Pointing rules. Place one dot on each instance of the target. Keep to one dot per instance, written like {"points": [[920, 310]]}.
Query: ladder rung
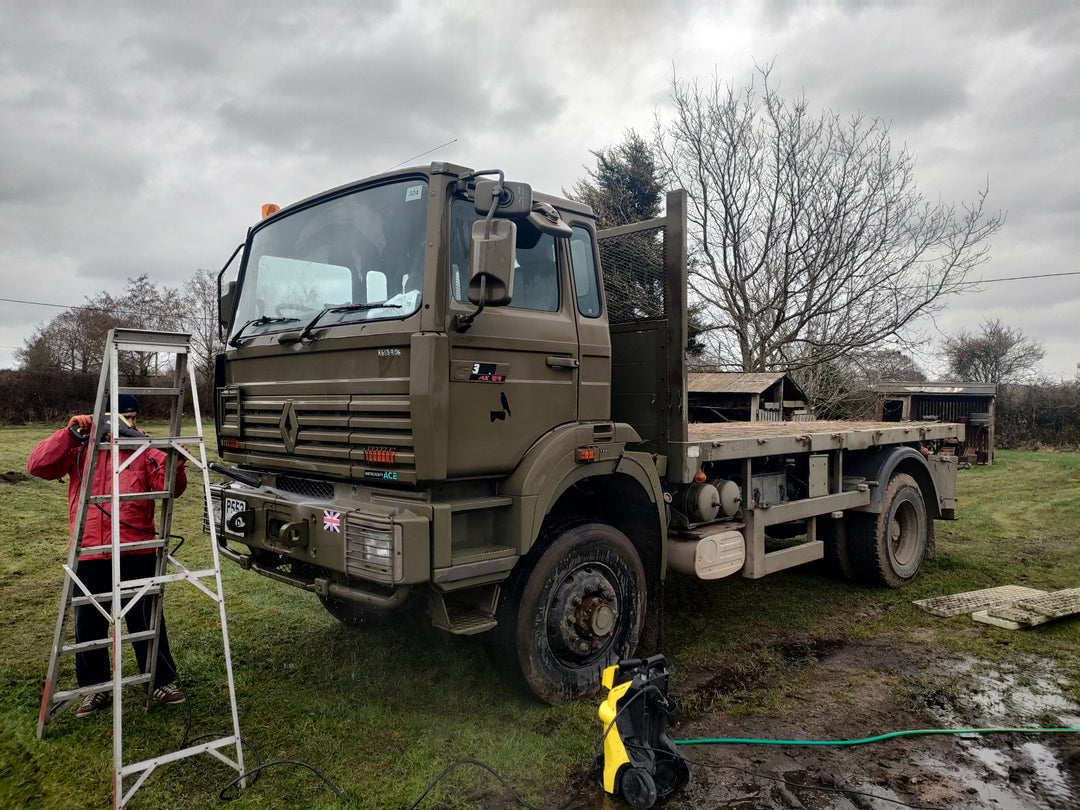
{"points": [[95, 551], [156, 441], [102, 643], [105, 686], [182, 753], [106, 598], [133, 496], [153, 441]]}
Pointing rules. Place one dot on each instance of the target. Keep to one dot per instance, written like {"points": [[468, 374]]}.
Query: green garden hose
{"points": [[752, 741]]}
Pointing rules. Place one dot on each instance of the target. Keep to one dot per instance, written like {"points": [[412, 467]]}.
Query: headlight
{"points": [[372, 547]]}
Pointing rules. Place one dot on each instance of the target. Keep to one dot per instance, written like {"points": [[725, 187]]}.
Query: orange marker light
{"points": [[699, 477], [585, 455], [270, 208], [380, 455]]}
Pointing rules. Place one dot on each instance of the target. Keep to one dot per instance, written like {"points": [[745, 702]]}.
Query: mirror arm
{"points": [[463, 322]]}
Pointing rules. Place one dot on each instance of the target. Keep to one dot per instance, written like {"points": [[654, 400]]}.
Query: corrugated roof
{"points": [[963, 389], [740, 382]]}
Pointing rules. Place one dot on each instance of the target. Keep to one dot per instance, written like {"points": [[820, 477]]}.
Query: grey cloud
{"points": [[142, 137]]}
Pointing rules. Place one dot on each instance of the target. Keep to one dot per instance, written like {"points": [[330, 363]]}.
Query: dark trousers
{"points": [[93, 667]]}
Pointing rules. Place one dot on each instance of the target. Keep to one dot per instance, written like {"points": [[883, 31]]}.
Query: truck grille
{"points": [[340, 436], [307, 487]]}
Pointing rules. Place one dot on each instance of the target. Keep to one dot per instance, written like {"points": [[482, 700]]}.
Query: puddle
{"points": [[1010, 694], [1048, 771], [1024, 694], [855, 686]]}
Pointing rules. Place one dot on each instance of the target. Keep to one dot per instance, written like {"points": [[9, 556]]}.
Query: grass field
{"points": [[381, 712]]}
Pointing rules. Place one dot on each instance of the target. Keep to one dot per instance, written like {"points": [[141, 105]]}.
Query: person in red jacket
{"points": [[64, 454]]}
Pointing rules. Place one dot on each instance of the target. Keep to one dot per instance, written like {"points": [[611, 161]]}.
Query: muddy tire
{"points": [[834, 533], [888, 548], [572, 607]]}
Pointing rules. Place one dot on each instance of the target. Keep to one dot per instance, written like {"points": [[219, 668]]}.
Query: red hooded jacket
{"points": [[62, 454]]}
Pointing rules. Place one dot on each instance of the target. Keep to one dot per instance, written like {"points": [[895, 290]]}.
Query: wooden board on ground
{"points": [[955, 604], [1033, 610], [1010, 617]]}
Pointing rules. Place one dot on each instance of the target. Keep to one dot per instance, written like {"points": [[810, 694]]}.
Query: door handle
{"points": [[563, 362]]}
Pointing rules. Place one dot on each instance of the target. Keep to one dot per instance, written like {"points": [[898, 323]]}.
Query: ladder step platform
{"points": [[144, 390]]}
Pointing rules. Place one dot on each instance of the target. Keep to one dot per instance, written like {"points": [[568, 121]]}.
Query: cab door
{"points": [[514, 372]]}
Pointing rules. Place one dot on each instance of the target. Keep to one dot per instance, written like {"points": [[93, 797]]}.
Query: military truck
{"points": [[443, 387]]}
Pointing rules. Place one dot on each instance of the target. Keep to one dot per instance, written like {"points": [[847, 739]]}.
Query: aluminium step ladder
{"points": [[126, 594]]}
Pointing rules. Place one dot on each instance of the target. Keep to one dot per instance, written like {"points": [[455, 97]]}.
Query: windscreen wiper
{"points": [[305, 333], [262, 321]]}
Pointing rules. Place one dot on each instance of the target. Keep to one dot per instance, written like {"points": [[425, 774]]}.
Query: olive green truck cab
{"points": [[441, 387]]}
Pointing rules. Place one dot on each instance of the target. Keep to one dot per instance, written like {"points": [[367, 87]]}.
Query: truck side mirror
{"points": [[226, 304], [491, 265], [513, 199]]}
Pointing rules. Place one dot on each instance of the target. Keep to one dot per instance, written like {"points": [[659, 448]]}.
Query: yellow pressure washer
{"points": [[641, 762]]}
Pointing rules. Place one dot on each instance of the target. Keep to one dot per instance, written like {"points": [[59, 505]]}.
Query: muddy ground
{"points": [[844, 690]]}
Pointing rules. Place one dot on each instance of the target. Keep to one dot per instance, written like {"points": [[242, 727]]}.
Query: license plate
{"points": [[233, 507]]}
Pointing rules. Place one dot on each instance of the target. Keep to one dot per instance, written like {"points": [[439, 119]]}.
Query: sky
{"points": [[144, 137]]}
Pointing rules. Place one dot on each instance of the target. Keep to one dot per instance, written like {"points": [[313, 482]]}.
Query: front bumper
{"points": [[325, 544]]}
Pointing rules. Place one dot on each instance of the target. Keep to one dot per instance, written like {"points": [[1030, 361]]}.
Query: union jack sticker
{"points": [[331, 520]]}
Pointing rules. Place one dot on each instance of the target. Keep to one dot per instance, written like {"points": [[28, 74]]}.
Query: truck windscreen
{"points": [[360, 255]]}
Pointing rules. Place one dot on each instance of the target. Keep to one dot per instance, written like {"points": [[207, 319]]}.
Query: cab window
{"points": [[536, 275], [586, 283]]}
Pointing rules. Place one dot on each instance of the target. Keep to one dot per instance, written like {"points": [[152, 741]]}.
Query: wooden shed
{"points": [[971, 404], [732, 396]]}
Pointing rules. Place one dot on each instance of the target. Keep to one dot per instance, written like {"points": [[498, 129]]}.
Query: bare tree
{"points": [[200, 319], [75, 339], [996, 354], [812, 239]]}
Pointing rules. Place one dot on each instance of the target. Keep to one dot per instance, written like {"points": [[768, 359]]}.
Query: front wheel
{"points": [[571, 611], [888, 548]]}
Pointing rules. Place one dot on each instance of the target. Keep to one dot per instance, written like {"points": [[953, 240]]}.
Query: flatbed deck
{"points": [[718, 441]]}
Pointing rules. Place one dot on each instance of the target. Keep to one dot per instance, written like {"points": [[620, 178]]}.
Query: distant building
{"points": [[745, 397], [971, 404]]}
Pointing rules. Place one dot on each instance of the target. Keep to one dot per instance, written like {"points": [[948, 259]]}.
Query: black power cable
{"points": [[820, 788]]}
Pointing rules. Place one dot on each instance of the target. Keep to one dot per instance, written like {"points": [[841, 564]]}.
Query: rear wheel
{"points": [[888, 548], [833, 532], [571, 611]]}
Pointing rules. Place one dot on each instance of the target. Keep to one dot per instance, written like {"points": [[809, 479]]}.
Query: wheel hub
{"points": [[583, 614]]}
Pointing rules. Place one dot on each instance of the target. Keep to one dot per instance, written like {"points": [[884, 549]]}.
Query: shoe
{"points": [[169, 693], [91, 703]]}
